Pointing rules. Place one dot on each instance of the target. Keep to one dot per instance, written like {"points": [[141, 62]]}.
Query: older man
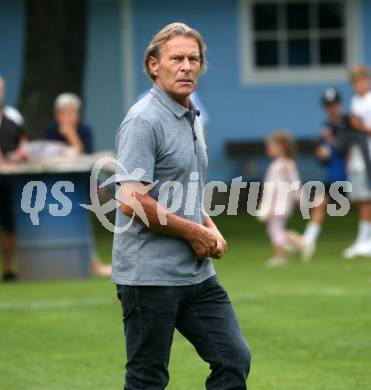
{"points": [[10, 134], [161, 264]]}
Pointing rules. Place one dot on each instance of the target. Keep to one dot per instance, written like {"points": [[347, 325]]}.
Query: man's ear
{"points": [[153, 65]]}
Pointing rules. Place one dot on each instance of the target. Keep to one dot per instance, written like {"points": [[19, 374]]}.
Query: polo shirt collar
{"points": [[177, 109]]}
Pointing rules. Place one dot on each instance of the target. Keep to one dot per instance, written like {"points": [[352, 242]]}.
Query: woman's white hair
{"points": [[67, 99]]}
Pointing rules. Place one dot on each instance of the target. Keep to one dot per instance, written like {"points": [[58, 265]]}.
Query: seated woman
{"points": [[69, 129], [67, 126]]}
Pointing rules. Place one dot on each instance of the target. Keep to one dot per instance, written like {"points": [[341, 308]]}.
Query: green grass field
{"points": [[308, 325]]}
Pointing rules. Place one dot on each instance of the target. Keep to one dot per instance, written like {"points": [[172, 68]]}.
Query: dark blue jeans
{"points": [[202, 313]]}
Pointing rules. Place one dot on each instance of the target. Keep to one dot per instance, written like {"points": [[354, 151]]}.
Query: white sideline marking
{"points": [[328, 291], [55, 304]]}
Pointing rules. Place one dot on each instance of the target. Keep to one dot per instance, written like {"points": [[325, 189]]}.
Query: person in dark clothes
{"points": [[67, 126], [331, 155], [69, 129], [10, 136], [163, 271]]}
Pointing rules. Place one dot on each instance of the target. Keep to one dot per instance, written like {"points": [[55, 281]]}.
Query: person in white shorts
{"points": [[358, 171]]}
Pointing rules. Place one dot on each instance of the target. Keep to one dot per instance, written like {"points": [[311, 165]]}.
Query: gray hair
{"points": [[67, 99], [169, 31]]}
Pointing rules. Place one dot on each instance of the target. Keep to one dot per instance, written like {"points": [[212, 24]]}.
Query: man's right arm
{"points": [[202, 240]]}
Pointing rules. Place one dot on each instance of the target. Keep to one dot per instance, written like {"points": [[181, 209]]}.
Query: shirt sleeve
{"points": [[292, 177], [354, 106], [136, 151], [87, 140], [293, 174]]}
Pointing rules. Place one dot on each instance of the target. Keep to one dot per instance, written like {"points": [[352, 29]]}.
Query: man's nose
{"points": [[186, 65]]}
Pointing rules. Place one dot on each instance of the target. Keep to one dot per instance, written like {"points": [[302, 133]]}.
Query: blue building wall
{"points": [[103, 91], [237, 111], [12, 14], [366, 24]]}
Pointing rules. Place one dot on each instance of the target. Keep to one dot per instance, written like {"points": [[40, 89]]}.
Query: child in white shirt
{"points": [[280, 192]]}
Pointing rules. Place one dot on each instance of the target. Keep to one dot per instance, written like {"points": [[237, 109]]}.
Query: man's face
{"points": [[361, 85], [2, 92], [178, 67]]}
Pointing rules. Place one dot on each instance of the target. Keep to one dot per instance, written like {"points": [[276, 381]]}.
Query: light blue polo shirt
{"points": [[156, 137]]}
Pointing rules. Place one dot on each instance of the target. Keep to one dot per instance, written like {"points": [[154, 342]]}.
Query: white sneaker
{"points": [[307, 249], [357, 249], [274, 262], [364, 249]]}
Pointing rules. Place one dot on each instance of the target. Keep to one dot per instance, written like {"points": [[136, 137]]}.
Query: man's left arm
{"points": [[222, 246]]}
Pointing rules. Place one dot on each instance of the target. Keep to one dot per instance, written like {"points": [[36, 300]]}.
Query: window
{"points": [[298, 40]]}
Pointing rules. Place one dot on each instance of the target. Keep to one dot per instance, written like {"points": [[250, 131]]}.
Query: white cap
{"points": [[14, 115]]}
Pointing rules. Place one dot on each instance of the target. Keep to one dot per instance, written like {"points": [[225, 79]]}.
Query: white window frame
{"points": [[250, 75]]}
